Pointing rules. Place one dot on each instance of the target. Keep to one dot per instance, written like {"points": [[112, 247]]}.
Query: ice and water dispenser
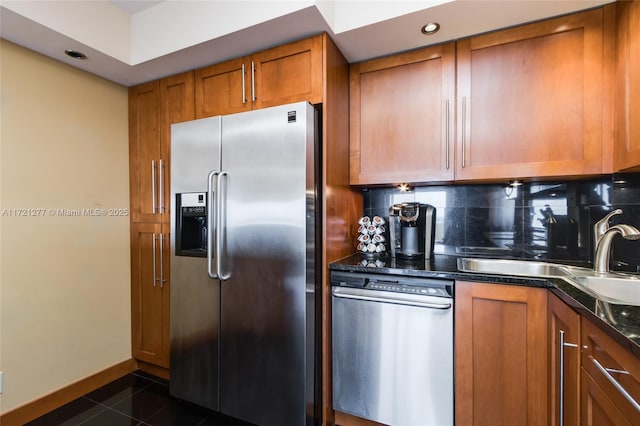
{"points": [[191, 224]]}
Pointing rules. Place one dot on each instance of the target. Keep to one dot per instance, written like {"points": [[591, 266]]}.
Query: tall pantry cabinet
{"points": [[153, 107]]}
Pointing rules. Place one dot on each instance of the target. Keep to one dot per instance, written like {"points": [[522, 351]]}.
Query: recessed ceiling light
{"points": [[75, 54], [430, 28]]}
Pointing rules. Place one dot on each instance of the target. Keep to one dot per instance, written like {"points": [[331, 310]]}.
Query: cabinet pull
{"points": [[253, 82], [153, 186], [561, 346], [153, 252], [464, 129], [244, 95], [161, 188], [446, 146], [162, 279], [607, 373]]}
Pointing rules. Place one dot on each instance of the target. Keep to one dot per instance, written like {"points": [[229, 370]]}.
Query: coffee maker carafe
{"points": [[412, 230]]}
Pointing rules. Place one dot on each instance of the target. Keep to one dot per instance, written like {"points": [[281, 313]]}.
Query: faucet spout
{"points": [[601, 227], [603, 247]]}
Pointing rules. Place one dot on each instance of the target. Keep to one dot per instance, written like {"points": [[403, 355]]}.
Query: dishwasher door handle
{"points": [[389, 297]]}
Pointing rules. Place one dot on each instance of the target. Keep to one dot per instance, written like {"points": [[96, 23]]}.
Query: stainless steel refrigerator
{"points": [[243, 250]]}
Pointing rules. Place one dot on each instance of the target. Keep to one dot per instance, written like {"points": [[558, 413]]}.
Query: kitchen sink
{"points": [[611, 287], [519, 267], [616, 290]]}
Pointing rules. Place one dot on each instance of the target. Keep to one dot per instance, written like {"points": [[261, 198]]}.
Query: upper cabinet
{"points": [[153, 107], [627, 147], [530, 100], [277, 76], [402, 117]]}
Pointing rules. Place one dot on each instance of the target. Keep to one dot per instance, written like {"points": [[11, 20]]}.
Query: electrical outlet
{"points": [[1, 377]]}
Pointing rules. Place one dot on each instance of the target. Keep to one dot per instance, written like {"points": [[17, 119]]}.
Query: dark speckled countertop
{"points": [[621, 322]]}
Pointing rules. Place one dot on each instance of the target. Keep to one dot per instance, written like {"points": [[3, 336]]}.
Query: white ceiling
{"points": [[131, 42], [132, 7]]}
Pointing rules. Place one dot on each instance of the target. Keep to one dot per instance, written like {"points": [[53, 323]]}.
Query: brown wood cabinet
{"points": [[150, 293], [627, 147], [530, 100], [402, 117], [500, 354], [564, 363], [153, 107], [277, 76], [611, 380]]}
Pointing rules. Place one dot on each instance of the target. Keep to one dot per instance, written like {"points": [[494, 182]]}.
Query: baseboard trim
{"points": [[34, 409], [161, 372]]}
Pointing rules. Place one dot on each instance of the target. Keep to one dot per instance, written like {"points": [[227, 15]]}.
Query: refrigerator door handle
{"points": [[220, 225], [211, 215]]}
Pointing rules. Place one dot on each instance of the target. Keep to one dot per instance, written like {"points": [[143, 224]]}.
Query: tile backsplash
{"points": [[544, 220]]}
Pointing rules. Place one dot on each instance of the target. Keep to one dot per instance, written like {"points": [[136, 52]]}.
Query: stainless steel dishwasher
{"points": [[392, 342]]}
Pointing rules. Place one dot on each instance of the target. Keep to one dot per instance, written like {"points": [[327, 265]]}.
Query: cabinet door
{"points": [[223, 88], [176, 105], [615, 372], [144, 151], [402, 117], [150, 293], [530, 100], [627, 148], [500, 355], [564, 363], [286, 74]]}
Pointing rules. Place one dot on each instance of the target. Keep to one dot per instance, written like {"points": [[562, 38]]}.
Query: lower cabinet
{"points": [[610, 380], [150, 293], [501, 354], [564, 363]]}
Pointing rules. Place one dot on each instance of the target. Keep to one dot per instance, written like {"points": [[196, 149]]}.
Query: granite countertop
{"points": [[620, 322]]}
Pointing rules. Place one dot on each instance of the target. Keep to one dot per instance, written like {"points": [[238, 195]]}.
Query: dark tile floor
{"points": [[135, 399]]}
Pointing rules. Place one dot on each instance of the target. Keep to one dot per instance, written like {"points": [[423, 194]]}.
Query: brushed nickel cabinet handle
{"points": [[153, 252], [162, 279], [244, 92], [161, 187], [253, 82], [561, 346], [153, 186], [446, 146], [464, 130], [607, 373]]}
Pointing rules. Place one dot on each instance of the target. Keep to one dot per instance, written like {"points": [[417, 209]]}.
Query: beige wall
{"points": [[64, 280]]}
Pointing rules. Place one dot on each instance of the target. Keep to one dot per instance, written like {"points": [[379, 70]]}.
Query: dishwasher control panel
{"points": [[394, 283]]}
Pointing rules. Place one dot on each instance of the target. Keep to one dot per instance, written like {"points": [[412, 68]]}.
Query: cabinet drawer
{"points": [[614, 369]]}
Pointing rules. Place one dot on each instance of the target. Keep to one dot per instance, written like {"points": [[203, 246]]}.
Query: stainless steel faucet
{"points": [[603, 236], [600, 228]]}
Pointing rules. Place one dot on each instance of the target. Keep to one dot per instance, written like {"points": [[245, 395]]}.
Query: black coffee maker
{"points": [[412, 230]]}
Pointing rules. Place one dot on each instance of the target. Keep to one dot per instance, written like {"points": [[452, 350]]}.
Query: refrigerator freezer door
{"points": [[266, 248], [195, 298]]}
